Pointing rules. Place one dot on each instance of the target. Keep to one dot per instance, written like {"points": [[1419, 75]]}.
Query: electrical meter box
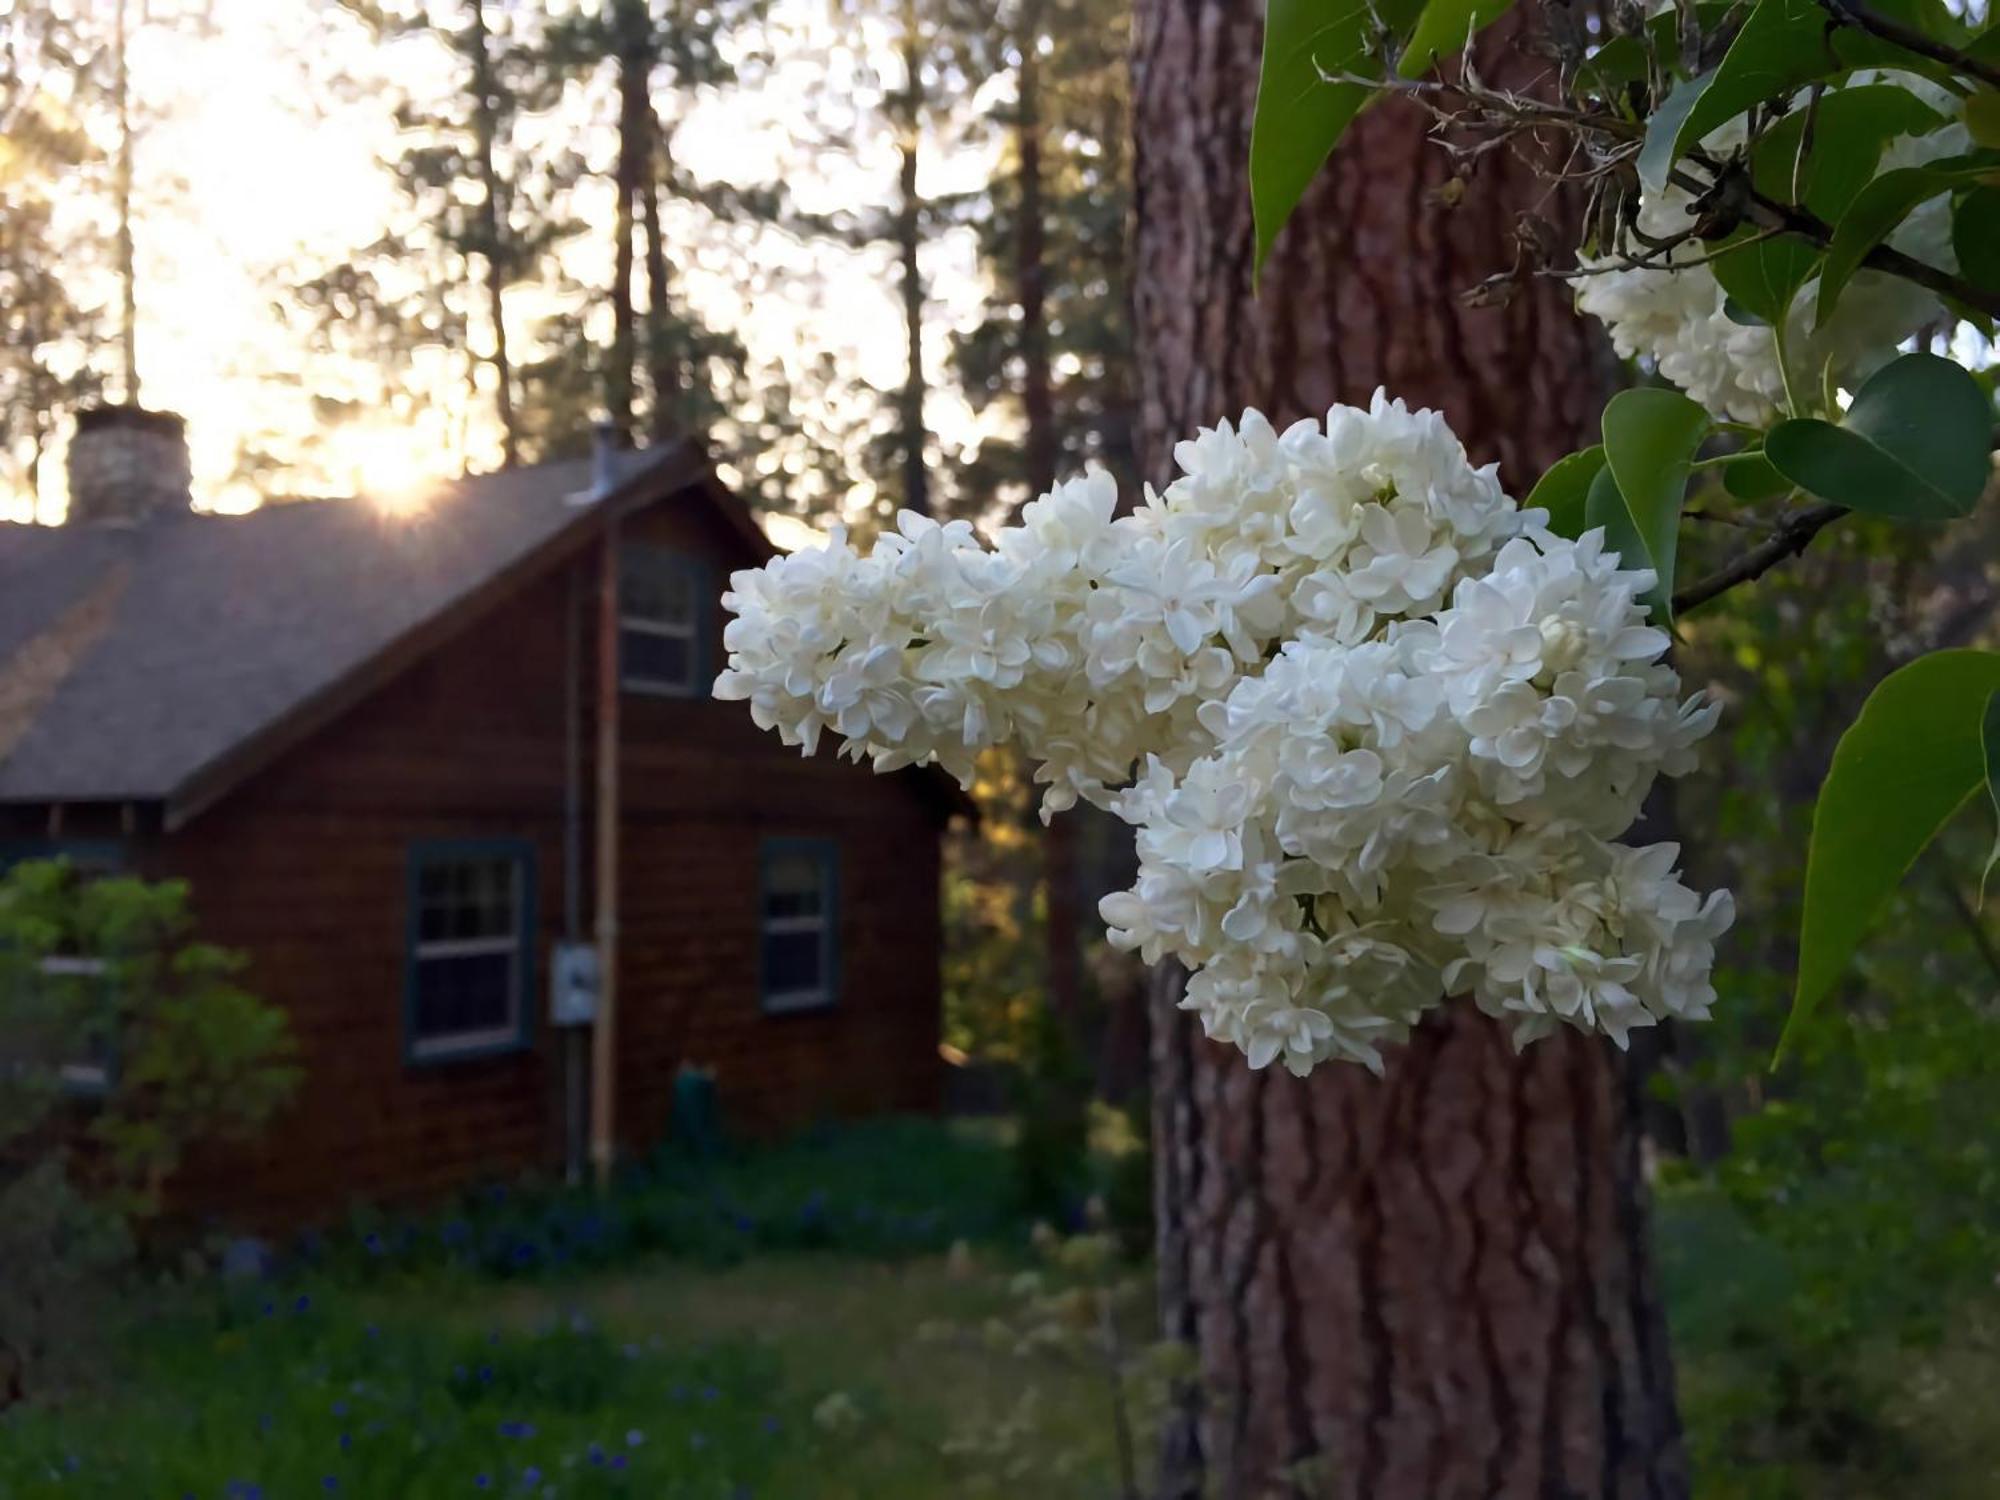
{"points": [[573, 984]]}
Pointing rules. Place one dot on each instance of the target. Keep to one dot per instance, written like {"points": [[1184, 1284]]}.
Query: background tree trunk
{"points": [[1434, 1286], [908, 108], [493, 231]]}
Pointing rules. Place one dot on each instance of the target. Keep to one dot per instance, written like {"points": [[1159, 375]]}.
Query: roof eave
{"points": [[681, 466]]}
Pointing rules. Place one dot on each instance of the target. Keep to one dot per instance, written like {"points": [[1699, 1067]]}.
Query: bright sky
{"points": [[260, 168]]}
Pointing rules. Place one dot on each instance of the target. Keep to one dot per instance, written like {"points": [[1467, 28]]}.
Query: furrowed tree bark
{"points": [[1433, 1286]]}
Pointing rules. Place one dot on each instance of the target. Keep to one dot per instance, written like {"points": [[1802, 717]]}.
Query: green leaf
{"points": [[1763, 278], [1975, 236], [1989, 754], [1754, 478], [1910, 761], [1876, 211], [1443, 28], [1915, 444], [1982, 118], [1850, 126], [1564, 490], [1662, 145], [1650, 438], [1782, 46], [1301, 115], [1605, 507]]}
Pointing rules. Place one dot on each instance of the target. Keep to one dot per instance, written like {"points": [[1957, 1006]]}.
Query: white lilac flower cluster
{"points": [[1375, 725], [1675, 314]]}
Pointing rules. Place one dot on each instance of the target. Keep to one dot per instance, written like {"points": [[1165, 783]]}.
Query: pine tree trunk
{"points": [[631, 26], [1060, 881], [128, 275], [909, 238], [485, 113], [1434, 1286], [663, 370]]}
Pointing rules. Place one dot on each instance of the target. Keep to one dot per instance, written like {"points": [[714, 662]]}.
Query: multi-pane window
{"points": [[471, 954], [799, 924], [661, 604], [69, 1021]]}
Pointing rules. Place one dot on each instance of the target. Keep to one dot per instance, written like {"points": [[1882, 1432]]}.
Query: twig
{"points": [[1912, 40], [1791, 536], [1968, 918]]}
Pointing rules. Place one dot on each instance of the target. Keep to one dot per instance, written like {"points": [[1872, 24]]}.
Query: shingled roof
{"points": [[135, 661]]}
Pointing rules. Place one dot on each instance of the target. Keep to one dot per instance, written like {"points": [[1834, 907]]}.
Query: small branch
{"points": [[1788, 538], [1912, 40]]}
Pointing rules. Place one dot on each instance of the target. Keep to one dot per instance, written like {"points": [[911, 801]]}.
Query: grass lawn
{"points": [[800, 1375]]}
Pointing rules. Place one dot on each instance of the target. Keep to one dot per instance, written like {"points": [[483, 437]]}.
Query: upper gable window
{"points": [[663, 608]]}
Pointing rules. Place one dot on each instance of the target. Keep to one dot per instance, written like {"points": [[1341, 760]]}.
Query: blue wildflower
{"points": [[634, 1438], [302, 1304], [339, 1408], [710, 1393], [769, 1424], [329, 1483], [530, 1477], [484, 1481], [372, 1243], [618, 1461], [596, 1455]]}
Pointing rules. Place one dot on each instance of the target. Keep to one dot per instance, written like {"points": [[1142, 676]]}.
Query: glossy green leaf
{"points": [[1662, 145], [1914, 445], [1982, 117], [1783, 46], [1564, 490], [1876, 211], [1849, 128], [1975, 236], [1301, 114], [1651, 436], [1989, 754], [1442, 31], [1605, 507], [1910, 761], [1754, 478], [1765, 275]]}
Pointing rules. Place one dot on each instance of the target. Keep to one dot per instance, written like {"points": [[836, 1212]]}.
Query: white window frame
{"points": [[79, 1077], [493, 1038], [661, 628], [821, 996]]}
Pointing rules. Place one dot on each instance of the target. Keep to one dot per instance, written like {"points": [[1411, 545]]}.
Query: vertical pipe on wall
{"points": [[603, 1050], [576, 1119]]}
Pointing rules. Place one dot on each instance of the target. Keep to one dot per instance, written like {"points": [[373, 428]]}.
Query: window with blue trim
{"points": [[663, 608], [799, 924], [471, 959]]}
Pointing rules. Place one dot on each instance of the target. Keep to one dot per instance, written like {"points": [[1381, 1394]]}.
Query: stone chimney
{"points": [[125, 464]]}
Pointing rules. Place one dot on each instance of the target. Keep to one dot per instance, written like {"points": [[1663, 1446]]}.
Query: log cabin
{"points": [[424, 764]]}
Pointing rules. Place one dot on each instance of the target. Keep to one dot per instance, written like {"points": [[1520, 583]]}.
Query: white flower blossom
{"points": [[1674, 314], [1374, 725]]}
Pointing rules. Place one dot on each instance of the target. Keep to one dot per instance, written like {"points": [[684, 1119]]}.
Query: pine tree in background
{"points": [[49, 332], [479, 198], [1054, 349]]}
